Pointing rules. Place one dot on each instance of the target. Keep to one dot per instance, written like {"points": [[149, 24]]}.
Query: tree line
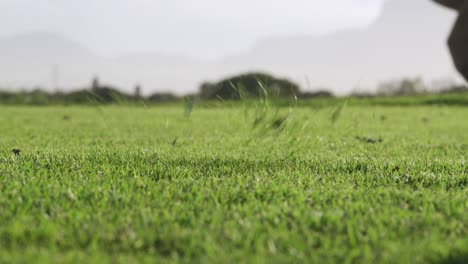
{"points": [[250, 85], [244, 86]]}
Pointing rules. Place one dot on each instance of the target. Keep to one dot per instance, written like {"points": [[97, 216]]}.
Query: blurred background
{"points": [[170, 48]]}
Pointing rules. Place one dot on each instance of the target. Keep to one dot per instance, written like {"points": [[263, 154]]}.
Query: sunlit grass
{"points": [[247, 183]]}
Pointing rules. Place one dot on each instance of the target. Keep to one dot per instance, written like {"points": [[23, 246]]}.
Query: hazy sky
{"points": [[150, 42], [198, 28]]}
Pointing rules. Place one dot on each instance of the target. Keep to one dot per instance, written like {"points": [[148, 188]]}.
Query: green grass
{"points": [[252, 184], [429, 99]]}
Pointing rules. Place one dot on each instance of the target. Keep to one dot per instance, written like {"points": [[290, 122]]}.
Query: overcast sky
{"points": [[198, 28], [150, 42]]}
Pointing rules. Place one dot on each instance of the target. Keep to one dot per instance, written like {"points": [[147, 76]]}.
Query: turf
{"points": [[248, 184]]}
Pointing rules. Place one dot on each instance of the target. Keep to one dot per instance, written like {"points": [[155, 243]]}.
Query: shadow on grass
{"points": [[455, 258]]}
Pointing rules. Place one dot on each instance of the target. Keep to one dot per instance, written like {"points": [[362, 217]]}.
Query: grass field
{"points": [[340, 184]]}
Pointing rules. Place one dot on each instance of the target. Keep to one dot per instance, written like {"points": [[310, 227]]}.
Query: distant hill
{"points": [[42, 46], [47, 59], [38, 59], [407, 40]]}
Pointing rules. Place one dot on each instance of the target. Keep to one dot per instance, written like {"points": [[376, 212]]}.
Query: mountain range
{"points": [[407, 40]]}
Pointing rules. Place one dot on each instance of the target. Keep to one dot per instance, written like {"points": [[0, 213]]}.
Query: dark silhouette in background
{"points": [[458, 40], [249, 85], [242, 86], [455, 4]]}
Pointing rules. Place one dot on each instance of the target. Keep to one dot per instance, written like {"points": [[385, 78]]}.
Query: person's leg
{"points": [[458, 42], [454, 4]]}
